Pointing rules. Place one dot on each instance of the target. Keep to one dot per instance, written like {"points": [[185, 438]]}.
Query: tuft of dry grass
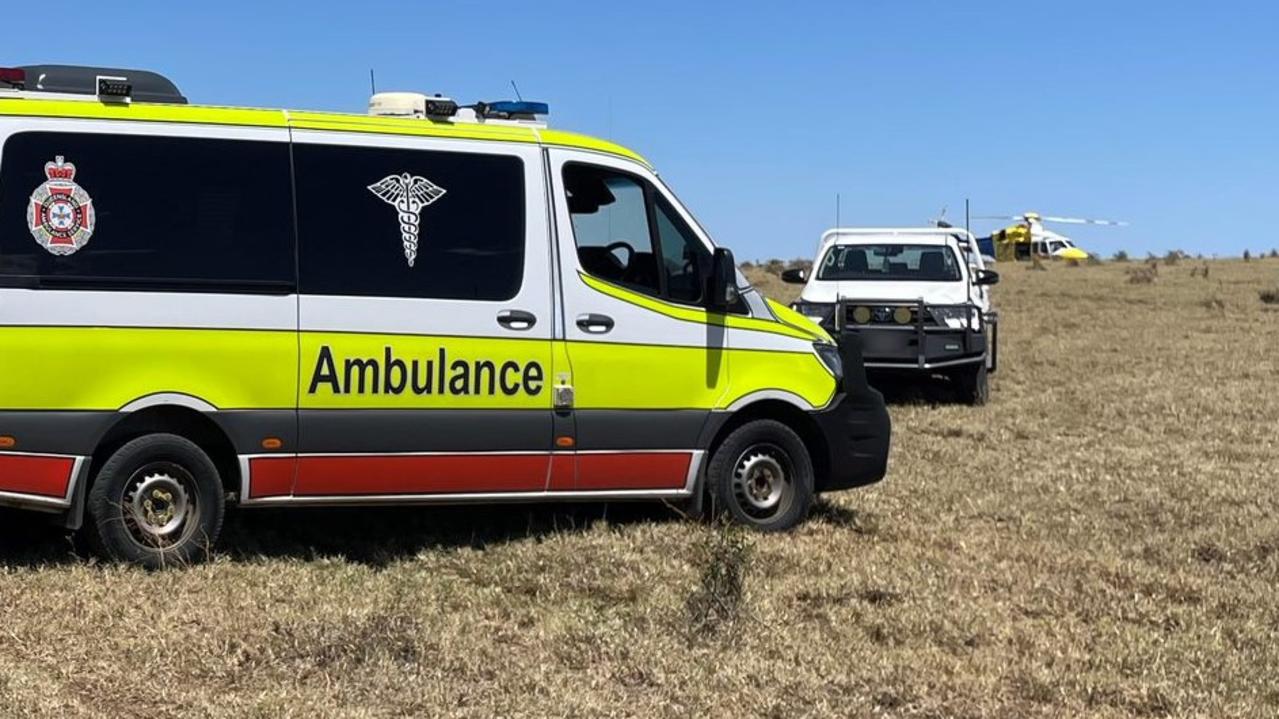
{"points": [[723, 560], [1101, 540]]}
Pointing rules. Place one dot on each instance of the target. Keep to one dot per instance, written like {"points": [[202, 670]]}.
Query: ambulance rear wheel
{"points": [[761, 476], [156, 502]]}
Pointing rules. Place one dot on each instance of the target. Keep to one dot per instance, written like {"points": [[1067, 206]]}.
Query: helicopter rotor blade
{"points": [[1083, 221], [998, 217]]}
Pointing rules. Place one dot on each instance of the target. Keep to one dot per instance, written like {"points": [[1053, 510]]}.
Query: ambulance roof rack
{"points": [[107, 84], [439, 108]]}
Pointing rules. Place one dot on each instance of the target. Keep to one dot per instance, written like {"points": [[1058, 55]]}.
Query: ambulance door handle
{"points": [[516, 319], [595, 324]]}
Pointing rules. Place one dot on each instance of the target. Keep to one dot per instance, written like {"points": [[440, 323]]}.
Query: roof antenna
{"points": [[372, 82], [837, 203], [515, 87]]}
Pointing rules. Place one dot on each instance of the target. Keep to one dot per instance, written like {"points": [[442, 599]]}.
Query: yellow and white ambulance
{"points": [[428, 304]]}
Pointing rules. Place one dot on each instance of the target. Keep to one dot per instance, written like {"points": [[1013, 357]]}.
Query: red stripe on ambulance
{"points": [[31, 474]]}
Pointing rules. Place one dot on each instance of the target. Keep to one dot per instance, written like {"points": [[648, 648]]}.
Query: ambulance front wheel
{"points": [[761, 476], [156, 502]]}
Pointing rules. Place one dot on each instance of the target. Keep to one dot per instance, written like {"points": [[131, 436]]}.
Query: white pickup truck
{"points": [[915, 300]]}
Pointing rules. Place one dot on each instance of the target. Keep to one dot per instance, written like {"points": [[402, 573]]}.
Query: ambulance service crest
{"points": [[60, 213]]}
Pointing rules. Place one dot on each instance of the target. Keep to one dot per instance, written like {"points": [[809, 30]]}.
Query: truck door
{"points": [[425, 317], [647, 363]]}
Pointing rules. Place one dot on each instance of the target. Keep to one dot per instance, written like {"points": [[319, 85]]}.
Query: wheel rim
{"points": [[763, 482], [160, 505]]}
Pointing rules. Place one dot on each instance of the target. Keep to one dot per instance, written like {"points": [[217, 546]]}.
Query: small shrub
{"points": [[1120, 256], [1270, 297], [1093, 260], [1274, 254], [724, 559], [1172, 258], [747, 265], [1143, 275], [799, 263], [1247, 256], [774, 266]]}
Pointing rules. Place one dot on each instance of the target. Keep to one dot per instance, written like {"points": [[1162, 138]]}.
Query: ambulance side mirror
{"points": [[723, 281]]}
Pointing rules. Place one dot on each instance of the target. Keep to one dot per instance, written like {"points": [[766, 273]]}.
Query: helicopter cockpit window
{"points": [[902, 263]]}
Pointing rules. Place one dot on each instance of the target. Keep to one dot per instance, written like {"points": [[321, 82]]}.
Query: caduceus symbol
{"points": [[408, 194]]}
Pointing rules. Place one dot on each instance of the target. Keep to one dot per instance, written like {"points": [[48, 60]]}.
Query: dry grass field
{"points": [[1101, 540]]}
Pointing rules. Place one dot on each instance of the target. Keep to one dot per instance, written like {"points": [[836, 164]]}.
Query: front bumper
{"points": [[856, 427], [919, 345]]}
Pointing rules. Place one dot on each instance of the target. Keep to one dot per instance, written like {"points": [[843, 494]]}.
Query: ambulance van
{"points": [[428, 304]]}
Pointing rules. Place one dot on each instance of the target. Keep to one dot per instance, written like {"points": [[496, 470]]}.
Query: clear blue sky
{"points": [[1164, 114]]}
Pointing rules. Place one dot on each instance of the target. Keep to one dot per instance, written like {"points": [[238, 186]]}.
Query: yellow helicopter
{"points": [[1029, 238]]}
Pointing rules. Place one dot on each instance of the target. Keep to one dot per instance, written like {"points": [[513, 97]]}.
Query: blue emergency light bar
{"points": [[517, 109], [511, 107]]}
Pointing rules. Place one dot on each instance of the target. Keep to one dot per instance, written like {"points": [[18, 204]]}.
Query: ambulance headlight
{"points": [[829, 355], [819, 312]]}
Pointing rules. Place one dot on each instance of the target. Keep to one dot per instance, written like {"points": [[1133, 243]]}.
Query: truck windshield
{"points": [[903, 263]]}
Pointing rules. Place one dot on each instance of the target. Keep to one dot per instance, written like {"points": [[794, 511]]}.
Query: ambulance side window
{"points": [[685, 259], [97, 211], [424, 224], [628, 233], [610, 217]]}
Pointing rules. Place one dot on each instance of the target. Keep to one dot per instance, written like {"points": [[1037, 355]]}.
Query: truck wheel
{"points": [[762, 476], [973, 384], [156, 502]]}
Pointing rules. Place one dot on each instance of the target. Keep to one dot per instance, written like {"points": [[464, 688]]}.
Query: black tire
{"points": [[992, 362], [762, 451], [156, 502], [973, 385]]}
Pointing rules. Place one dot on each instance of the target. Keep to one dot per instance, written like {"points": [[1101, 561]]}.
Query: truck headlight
{"points": [[954, 317], [819, 312], [829, 355]]}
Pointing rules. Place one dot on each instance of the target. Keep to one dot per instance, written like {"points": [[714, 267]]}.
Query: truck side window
{"points": [[424, 224], [609, 210], [129, 212]]}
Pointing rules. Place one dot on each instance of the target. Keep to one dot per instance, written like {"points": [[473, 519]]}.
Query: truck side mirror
{"points": [[986, 277], [723, 293], [795, 277]]}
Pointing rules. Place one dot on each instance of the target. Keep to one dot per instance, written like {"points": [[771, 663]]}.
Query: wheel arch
{"points": [[179, 419], [780, 410]]}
